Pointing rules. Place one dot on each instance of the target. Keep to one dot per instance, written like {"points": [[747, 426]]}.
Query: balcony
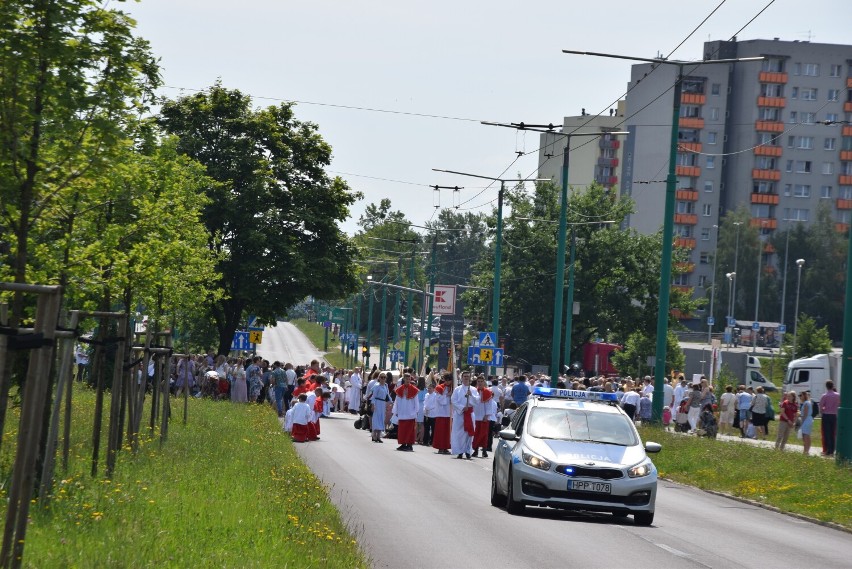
{"points": [[686, 218], [686, 195], [844, 180], [844, 204], [683, 267], [847, 106], [847, 130], [846, 155], [841, 227], [603, 161], [691, 122], [772, 77], [764, 222], [609, 143], [769, 199], [766, 150], [849, 82], [771, 175], [769, 126], [606, 180], [688, 171], [777, 102], [692, 99], [685, 242], [768, 248], [689, 146]]}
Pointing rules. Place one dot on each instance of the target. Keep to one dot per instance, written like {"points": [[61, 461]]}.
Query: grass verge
{"points": [[806, 485], [226, 490]]}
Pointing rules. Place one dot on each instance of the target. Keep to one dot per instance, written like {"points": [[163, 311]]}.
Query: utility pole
{"points": [[383, 327]]}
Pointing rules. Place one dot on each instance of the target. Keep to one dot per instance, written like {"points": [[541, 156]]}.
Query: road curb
{"points": [[757, 504]]}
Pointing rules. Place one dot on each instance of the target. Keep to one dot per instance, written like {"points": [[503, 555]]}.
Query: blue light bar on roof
{"points": [[553, 392]]}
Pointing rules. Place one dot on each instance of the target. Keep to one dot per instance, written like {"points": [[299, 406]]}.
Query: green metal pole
{"points": [[666, 259], [498, 253], [431, 299], [843, 451], [569, 301], [369, 333], [383, 345], [397, 296], [560, 269], [357, 329], [408, 309], [325, 343]]}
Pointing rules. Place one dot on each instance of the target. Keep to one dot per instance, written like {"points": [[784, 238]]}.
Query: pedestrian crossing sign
{"points": [[487, 340], [255, 337], [486, 354]]}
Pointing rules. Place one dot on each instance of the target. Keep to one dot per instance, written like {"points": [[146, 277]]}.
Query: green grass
{"points": [[226, 490], [792, 482]]}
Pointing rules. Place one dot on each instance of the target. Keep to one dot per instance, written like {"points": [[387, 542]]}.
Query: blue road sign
{"points": [[326, 324], [240, 341], [731, 321], [755, 325], [397, 356], [710, 320], [253, 324], [487, 340], [782, 328], [477, 355]]}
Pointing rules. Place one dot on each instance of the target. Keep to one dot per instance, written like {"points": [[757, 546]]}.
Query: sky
{"points": [[437, 68]]}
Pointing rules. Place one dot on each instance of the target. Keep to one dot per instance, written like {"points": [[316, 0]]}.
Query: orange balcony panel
{"points": [[844, 180], [688, 171], [779, 102], [847, 106], [683, 267], [685, 242], [849, 82], [770, 199], [693, 98], [772, 77], [769, 126], [846, 155], [686, 219], [768, 248], [769, 270], [678, 314], [691, 122], [844, 204], [771, 175], [765, 150], [689, 146], [764, 222], [687, 195], [841, 227], [847, 130]]}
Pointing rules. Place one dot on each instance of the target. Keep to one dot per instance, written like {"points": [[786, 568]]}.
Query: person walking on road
{"points": [[379, 397], [354, 395], [484, 412], [441, 436], [407, 405], [463, 399], [828, 405], [520, 391]]}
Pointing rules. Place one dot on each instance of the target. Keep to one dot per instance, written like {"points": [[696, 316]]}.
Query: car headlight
{"points": [[640, 470], [535, 461]]}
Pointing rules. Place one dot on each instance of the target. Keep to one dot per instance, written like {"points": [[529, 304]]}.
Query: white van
{"points": [[810, 374]]}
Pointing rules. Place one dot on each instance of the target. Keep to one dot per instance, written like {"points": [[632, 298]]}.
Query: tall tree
{"points": [[273, 212], [72, 77]]}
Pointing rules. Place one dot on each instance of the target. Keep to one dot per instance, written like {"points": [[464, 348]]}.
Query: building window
{"points": [[793, 117], [765, 163], [797, 68], [688, 135], [788, 189], [711, 162], [708, 186], [706, 210], [833, 94], [760, 210], [834, 70], [686, 159], [714, 113], [825, 192], [828, 167], [775, 65], [686, 207], [711, 138], [809, 94], [808, 118], [704, 258], [803, 166], [769, 114], [690, 111], [716, 88], [846, 143], [829, 143], [683, 231], [810, 69], [791, 141], [805, 143], [684, 183], [831, 117], [789, 166], [705, 234], [801, 191], [771, 90], [846, 168], [681, 280], [763, 187], [845, 193], [702, 281], [843, 216], [794, 93], [767, 139], [796, 214]]}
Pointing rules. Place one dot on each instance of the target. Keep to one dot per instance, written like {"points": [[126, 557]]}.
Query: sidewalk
{"points": [[793, 444]]}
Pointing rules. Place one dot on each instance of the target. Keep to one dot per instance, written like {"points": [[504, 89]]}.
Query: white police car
{"points": [[574, 450]]}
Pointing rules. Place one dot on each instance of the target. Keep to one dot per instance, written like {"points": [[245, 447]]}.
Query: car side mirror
{"points": [[653, 447], [508, 435]]}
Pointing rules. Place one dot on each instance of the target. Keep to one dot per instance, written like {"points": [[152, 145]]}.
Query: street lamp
{"points": [[731, 278], [757, 296], [668, 215], [800, 263], [710, 320], [736, 257]]}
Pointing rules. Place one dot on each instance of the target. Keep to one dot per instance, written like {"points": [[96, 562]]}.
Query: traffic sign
{"points": [[710, 320], [240, 341], [485, 356], [755, 325], [326, 324], [782, 328], [255, 336], [397, 356], [732, 321], [487, 340], [338, 316], [253, 324]]}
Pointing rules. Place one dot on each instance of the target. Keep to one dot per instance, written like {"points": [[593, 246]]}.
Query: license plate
{"points": [[587, 486]]}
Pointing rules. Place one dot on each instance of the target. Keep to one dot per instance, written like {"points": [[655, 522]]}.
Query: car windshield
{"points": [[581, 425]]}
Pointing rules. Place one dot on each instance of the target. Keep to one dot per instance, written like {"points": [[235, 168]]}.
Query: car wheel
{"points": [[497, 499], [513, 507], [643, 518]]}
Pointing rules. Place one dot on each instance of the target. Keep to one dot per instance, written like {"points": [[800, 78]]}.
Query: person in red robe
{"points": [[314, 400], [441, 435], [302, 416], [301, 387], [406, 404], [484, 412]]}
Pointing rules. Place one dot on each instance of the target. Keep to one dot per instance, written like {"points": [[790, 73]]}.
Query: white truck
{"points": [[810, 374], [754, 378]]}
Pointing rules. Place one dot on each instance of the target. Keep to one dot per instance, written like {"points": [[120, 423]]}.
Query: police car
{"points": [[574, 450]]}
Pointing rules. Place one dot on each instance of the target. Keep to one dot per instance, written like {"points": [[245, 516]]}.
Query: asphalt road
{"points": [[421, 510], [285, 343]]}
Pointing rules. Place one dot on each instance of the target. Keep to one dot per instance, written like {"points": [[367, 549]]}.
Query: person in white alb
{"points": [[463, 399], [354, 395], [407, 405], [484, 412], [442, 409]]}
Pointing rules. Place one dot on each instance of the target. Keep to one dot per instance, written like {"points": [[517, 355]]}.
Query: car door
{"points": [[503, 456]]}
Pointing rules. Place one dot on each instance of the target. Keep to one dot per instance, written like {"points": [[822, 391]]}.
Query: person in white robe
{"points": [[463, 399], [354, 394]]}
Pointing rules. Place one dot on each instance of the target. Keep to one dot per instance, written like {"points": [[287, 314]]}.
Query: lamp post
{"points": [[710, 319], [736, 256], [799, 263], [498, 244], [731, 278], [784, 282], [757, 296], [668, 215]]}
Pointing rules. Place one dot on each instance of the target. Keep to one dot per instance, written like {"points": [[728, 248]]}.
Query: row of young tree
{"points": [[196, 211]]}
